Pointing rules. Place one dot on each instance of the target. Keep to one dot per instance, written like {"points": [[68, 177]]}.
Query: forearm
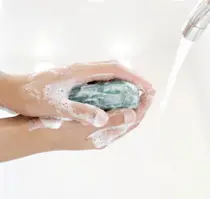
{"points": [[17, 141], [10, 87], [5, 88]]}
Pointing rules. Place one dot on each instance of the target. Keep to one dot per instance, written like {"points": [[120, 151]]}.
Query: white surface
{"points": [[170, 162]]}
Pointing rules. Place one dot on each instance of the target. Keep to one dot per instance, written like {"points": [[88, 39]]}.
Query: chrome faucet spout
{"points": [[198, 21]]}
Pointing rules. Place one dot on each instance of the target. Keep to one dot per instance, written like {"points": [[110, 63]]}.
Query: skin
{"points": [[26, 104], [18, 140]]}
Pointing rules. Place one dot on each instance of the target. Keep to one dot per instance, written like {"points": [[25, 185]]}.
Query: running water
{"points": [[181, 55]]}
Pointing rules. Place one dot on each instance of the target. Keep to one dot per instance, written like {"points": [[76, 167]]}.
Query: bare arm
{"points": [[17, 141], [9, 89], [22, 136], [5, 85]]}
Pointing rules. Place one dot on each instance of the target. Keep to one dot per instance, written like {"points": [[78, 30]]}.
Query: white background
{"points": [[170, 162]]}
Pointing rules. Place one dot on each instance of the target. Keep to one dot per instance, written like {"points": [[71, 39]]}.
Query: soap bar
{"points": [[114, 94]]}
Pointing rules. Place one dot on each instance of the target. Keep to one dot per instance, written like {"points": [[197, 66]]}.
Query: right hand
{"points": [[75, 136]]}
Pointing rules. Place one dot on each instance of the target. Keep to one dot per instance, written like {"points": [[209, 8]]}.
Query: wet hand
{"points": [[75, 136], [46, 93]]}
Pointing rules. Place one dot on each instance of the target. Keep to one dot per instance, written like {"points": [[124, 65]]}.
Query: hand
{"points": [[21, 136], [75, 136], [46, 93]]}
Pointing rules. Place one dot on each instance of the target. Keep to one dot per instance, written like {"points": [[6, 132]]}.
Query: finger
{"points": [[118, 124], [129, 130], [83, 113], [140, 113], [106, 71], [57, 96], [145, 103]]}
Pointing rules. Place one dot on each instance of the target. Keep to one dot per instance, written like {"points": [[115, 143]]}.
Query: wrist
{"points": [[38, 140], [17, 141]]}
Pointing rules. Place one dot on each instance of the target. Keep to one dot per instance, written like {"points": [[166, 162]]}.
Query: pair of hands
{"points": [[44, 98]]}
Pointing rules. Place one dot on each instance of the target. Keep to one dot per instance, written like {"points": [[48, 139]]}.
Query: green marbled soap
{"points": [[114, 94]]}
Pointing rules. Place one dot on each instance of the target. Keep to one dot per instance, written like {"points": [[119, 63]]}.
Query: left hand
{"points": [[46, 93]]}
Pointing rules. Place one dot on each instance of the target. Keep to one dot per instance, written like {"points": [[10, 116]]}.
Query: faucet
{"points": [[197, 22]]}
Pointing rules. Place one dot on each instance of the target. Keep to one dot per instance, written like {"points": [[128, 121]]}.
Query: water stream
{"points": [[181, 55]]}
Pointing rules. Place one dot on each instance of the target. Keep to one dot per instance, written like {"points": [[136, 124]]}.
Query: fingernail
{"points": [[100, 119], [129, 116]]}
